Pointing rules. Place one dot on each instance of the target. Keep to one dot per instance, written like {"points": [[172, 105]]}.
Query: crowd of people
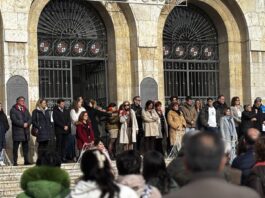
{"points": [[128, 126], [212, 141]]}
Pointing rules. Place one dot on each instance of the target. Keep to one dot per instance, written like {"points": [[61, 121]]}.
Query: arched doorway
{"points": [[72, 48], [190, 51]]}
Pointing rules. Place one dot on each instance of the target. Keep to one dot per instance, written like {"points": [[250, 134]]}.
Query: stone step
{"points": [[10, 178]]}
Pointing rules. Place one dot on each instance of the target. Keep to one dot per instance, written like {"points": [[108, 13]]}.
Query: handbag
{"points": [[34, 130]]}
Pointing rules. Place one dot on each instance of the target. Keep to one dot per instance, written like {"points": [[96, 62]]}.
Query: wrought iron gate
{"points": [[190, 49], [55, 78], [69, 31]]}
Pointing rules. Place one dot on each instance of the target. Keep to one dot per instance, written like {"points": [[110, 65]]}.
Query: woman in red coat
{"points": [[84, 131]]}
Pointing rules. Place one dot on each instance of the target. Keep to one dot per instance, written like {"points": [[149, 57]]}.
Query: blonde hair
{"points": [[38, 104]]}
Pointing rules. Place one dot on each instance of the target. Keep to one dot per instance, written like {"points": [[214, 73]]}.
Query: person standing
{"points": [[189, 114], [74, 115], [177, 124], [209, 116], [96, 116], [4, 126], [249, 119], [160, 143], [113, 125], [168, 108], [129, 126], [220, 106], [21, 121], [136, 106], [41, 121], [229, 134], [84, 131], [62, 125], [198, 105], [259, 110], [151, 122], [236, 112]]}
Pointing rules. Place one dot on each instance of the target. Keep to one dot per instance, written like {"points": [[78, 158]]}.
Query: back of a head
{"points": [[129, 162], [251, 136], [49, 158], [96, 168], [153, 164], [204, 151]]}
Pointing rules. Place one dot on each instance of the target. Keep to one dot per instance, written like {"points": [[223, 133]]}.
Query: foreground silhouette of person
{"points": [[205, 158]]}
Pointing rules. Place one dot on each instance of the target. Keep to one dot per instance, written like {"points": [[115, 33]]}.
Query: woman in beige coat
{"points": [[151, 125], [177, 125], [129, 127]]}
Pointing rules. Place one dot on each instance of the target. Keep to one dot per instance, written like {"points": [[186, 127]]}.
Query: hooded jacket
{"points": [[44, 182]]}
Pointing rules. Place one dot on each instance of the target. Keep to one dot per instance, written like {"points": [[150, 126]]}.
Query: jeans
{"points": [[25, 148]]}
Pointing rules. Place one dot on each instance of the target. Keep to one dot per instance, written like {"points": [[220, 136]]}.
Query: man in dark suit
{"points": [[62, 123], [205, 159]]}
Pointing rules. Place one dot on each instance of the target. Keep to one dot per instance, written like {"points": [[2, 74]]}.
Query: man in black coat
{"points": [[220, 106], [4, 126], [21, 121], [96, 116], [62, 123], [136, 106]]}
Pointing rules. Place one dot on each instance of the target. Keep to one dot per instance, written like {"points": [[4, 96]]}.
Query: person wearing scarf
{"points": [[177, 125], [21, 121], [229, 133]]}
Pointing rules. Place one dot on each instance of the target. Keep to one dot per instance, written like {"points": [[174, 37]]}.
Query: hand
{"points": [[26, 125], [65, 128], [254, 119]]}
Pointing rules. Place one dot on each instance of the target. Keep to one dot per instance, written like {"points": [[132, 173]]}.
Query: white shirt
{"points": [[212, 117], [74, 118]]}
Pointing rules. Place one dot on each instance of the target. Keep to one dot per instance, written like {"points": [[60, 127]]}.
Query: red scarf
{"points": [[18, 107]]}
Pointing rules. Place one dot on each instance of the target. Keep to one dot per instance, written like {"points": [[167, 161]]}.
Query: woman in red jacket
{"points": [[84, 131]]}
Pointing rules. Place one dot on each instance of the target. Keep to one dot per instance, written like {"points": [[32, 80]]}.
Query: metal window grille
{"points": [[190, 49]]}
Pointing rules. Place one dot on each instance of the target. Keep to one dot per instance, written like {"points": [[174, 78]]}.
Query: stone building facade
{"points": [[135, 46], [134, 54]]}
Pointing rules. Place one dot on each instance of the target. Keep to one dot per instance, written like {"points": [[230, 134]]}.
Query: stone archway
{"points": [[119, 60], [232, 40]]}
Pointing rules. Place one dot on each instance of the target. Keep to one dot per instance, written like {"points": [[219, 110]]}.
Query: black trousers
{"points": [[61, 143], [149, 143], [159, 146], [25, 148], [43, 147]]}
